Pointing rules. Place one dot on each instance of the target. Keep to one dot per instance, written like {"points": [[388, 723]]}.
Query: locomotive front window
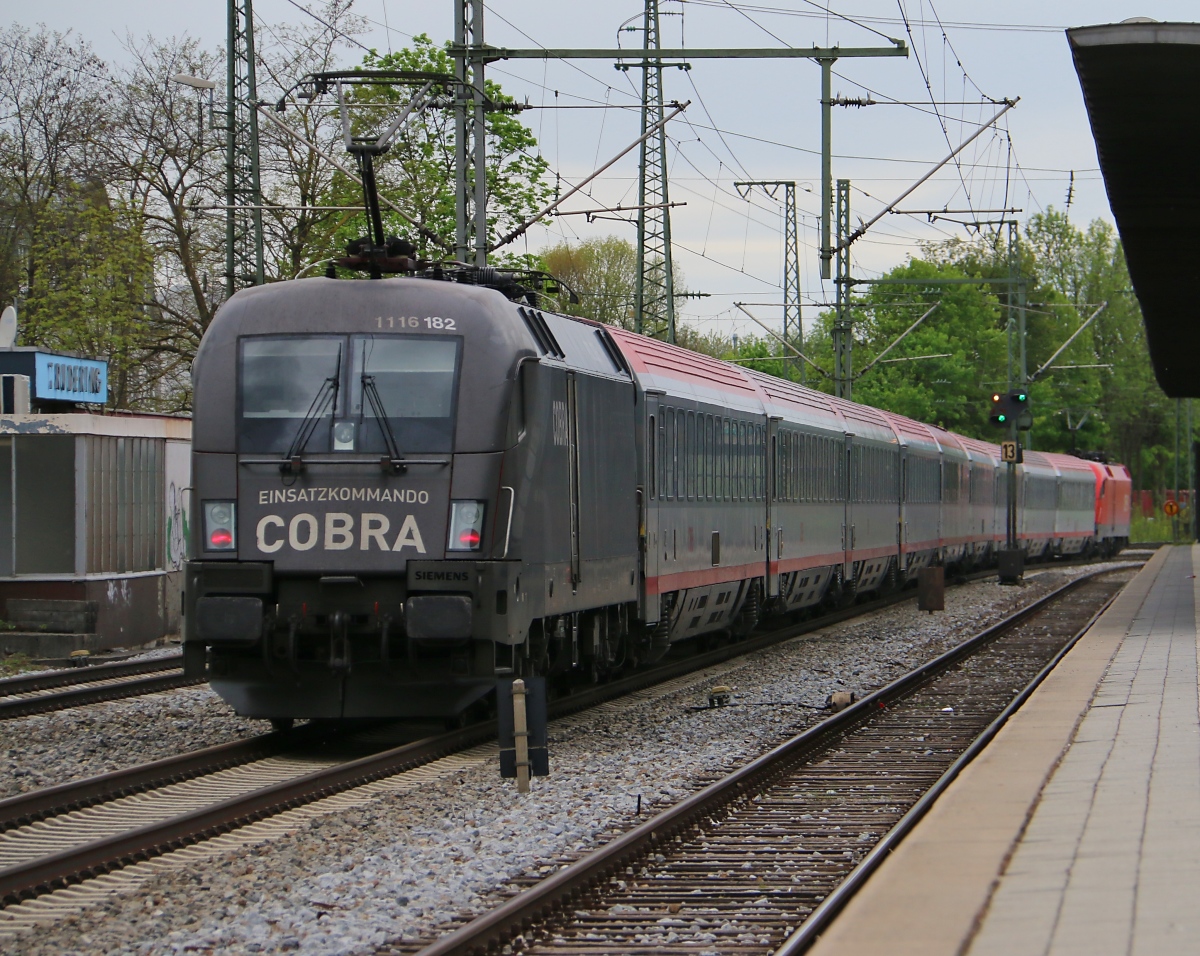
{"points": [[415, 380], [410, 380], [280, 379]]}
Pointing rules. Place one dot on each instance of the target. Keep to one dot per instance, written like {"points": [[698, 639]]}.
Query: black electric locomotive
{"points": [[395, 480]]}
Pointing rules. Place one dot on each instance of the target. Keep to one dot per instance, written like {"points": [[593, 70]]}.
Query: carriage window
{"points": [[797, 474], [760, 458], [806, 463], [725, 459], [668, 447], [742, 461], [652, 459], [691, 456], [783, 463], [708, 456], [676, 428], [664, 452], [826, 476]]}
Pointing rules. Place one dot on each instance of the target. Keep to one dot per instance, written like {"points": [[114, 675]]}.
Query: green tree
{"points": [[417, 173], [601, 273], [91, 293], [961, 332], [54, 109], [1073, 271]]}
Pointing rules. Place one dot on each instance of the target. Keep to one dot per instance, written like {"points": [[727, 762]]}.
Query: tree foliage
{"points": [[91, 289], [71, 125], [417, 172], [1098, 394], [601, 273]]}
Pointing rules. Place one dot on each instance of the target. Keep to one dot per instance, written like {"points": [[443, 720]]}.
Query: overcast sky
{"points": [[756, 119]]}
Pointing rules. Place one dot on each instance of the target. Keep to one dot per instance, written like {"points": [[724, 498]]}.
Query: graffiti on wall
{"points": [[177, 527], [178, 500]]}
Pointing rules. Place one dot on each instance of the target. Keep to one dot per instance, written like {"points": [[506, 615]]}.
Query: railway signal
{"points": [[1001, 414], [1009, 407]]}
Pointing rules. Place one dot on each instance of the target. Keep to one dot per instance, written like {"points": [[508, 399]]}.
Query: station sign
{"points": [[64, 378]]}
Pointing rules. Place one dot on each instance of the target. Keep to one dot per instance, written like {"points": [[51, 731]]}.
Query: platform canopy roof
{"points": [[1141, 84]]}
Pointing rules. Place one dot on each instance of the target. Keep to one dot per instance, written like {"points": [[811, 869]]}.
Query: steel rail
{"points": [[27, 808], [70, 866], [492, 930], [40, 804], [820, 918], [88, 672], [101, 856], [25, 706]]}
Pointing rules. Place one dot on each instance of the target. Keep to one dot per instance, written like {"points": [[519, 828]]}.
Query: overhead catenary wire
{"points": [[520, 230], [697, 157], [863, 20], [908, 192]]}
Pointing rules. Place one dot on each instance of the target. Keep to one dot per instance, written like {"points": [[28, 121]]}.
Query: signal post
{"points": [[1011, 410]]}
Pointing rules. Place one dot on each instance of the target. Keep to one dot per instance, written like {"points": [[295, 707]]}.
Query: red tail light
{"points": [[469, 539]]}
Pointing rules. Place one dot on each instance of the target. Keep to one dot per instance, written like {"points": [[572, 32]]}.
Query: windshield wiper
{"points": [[326, 398], [393, 462]]}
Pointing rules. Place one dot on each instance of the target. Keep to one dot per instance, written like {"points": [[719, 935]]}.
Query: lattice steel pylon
{"points": [[243, 196], [654, 289], [470, 137], [843, 325], [793, 330], [793, 327]]}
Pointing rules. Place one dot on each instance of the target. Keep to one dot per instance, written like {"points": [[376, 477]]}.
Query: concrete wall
{"points": [[130, 611]]}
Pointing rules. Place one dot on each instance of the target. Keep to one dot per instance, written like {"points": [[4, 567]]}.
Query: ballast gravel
{"points": [[64, 745], [400, 866]]}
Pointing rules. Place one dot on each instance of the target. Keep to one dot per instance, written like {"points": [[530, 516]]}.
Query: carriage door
{"points": [[573, 475], [774, 535], [847, 485], [648, 505], [901, 520]]}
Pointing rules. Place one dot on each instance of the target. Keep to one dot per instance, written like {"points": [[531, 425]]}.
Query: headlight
{"points": [[343, 436], [466, 526], [220, 525]]}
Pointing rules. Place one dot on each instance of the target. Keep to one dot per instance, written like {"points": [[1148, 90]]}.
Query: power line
{"points": [[862, 21], [330, 26]]}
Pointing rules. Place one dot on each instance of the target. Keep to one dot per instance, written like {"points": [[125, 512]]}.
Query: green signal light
{"points": [[1020, 396], [1001, 418]]}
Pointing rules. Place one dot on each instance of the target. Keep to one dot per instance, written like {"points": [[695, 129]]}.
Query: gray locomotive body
{"points": [[391, 561], [410, 488]]}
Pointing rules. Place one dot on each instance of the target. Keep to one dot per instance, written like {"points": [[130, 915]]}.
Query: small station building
{"points": [[94, 511]]}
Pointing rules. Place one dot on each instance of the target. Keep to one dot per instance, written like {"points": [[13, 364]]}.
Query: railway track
{"points": [[759, 861], [74, 832], [76, 686]]}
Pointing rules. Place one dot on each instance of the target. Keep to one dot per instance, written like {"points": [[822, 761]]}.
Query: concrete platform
{"points": [[1078, 830]]}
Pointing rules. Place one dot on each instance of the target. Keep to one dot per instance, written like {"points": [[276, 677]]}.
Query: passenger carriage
{"points": [[1074, 510], [986, 473], [1037, 498]]}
